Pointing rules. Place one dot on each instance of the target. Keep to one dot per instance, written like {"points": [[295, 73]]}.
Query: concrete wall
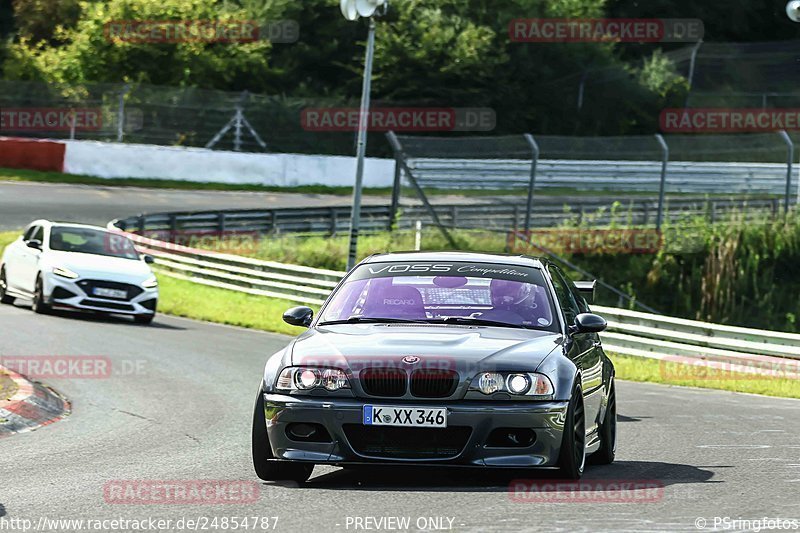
{"points": [[111, 160]]}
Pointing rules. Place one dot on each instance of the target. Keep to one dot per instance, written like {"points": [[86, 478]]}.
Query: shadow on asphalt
{"points": [[2, 510], [623, 418], [88, 316], [427, 479]]}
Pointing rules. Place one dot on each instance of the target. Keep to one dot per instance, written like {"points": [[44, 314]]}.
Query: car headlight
{"points": [[64, 272], [490, 382], [151, 283], [516, 383], [307, 378]]}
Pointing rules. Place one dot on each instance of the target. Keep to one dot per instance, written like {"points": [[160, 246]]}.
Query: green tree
{"points": [[38, 20], [86, 53]]}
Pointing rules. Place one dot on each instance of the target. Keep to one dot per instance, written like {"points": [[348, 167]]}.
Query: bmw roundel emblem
{"points": [[411, 359]]}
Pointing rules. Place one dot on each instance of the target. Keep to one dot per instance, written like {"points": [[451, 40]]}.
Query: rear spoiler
{"points": [[586, 288]]}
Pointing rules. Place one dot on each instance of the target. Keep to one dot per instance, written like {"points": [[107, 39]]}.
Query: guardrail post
{"points": [[398, 149], [221, 222], [534, 160], [789, 162], [334, 221], [663, 185], [121, 112], [140, 223], [397, 184]]}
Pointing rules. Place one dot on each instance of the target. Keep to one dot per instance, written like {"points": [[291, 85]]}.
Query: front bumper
{"points": [[342, 418], [76, 297]]}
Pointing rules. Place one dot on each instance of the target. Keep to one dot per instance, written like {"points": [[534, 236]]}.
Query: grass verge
{"points": [[192, 300], [7, 237], [669, 373], [331, 252]]}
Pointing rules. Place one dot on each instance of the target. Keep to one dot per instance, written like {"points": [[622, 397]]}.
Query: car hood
{"points": [[103, 267], [467, 349]]}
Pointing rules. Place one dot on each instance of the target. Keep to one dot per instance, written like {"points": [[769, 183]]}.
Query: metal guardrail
{"points": [[515, 162], [547, 212], [623, 176], [330, 220], [734, 349], [299, 284], [729, 348]]}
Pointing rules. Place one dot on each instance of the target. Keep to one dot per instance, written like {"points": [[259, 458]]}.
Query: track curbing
{"points": [[31, 407]]}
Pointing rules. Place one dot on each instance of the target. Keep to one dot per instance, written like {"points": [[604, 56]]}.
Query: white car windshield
{"points": [[91, 241]]}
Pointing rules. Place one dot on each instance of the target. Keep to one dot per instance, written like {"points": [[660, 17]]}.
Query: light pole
{"points": [[352, 9]]}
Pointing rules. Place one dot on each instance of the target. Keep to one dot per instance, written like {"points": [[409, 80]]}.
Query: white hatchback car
{"points": [[80, 267]]}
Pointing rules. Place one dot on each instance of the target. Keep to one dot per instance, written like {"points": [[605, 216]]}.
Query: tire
{"points": [[608, 432], [262, 453], [39, 305], [572, 458], [143, 319], [4, 297]]}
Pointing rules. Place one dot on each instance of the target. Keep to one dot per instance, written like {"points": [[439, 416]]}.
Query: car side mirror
{"points": [[589, 323], [149, 259], [36, 244], [299, 316]]}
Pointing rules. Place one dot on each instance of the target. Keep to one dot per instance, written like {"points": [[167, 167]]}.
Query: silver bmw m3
{"points": [[458, 359]]}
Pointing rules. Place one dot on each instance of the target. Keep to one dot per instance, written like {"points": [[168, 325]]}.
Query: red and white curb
{"points": [[32, 406]]}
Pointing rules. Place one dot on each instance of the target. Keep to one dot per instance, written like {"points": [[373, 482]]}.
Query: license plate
{"points": [[429, 417], [110, 293]]}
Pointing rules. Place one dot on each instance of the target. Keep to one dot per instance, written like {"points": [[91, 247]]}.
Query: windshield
{"points": [[484, 294], [91, 241]]}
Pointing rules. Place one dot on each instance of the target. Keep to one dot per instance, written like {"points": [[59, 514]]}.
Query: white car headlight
{"points": [[65, 272], [151, 283]]}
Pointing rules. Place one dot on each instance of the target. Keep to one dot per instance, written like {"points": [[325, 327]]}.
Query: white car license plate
{"points": [[382, 415], [110, 293]]}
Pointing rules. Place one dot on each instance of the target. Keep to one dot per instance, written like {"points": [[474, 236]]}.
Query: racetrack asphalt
{"points": [[178, 404], [22, 202]]}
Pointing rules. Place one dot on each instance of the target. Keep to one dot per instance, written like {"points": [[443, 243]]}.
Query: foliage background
{"points": [[446, 52]]}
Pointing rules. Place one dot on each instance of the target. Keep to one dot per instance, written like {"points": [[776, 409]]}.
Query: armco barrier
{"points": [[547, 212], [631, 333], [294, 283], [33, 154]]}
